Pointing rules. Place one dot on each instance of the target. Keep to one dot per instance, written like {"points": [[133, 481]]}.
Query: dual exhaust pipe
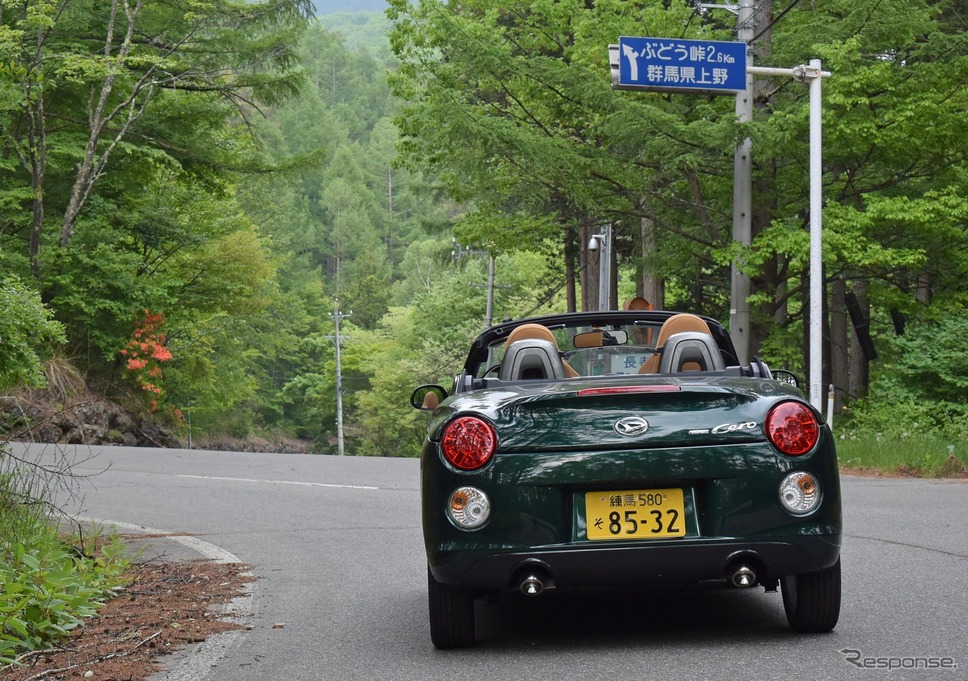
{"points": [[535, 582]]}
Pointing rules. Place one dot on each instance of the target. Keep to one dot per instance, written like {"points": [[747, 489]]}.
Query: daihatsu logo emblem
{"points": [[631, 426]]}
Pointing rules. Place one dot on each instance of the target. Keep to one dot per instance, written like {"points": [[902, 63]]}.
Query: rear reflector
{"points": [[629, 389]]}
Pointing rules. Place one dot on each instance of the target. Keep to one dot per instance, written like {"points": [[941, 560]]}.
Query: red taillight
{"points": [[468, 443], [792, 428]]}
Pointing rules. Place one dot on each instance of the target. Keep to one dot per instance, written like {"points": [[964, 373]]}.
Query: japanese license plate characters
{"points": [[635, 514]]}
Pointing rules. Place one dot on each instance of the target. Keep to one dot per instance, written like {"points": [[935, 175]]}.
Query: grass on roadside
{"points": [[48, 585], [917, 455]]}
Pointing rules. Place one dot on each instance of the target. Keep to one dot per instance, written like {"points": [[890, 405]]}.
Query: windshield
{"points": [[593, 350]]}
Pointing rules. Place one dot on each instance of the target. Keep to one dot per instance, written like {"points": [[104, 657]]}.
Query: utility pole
{"points": [[337, 317], [739, 309], [489, 312], [603, 242], [739, 289], [459, 252]]}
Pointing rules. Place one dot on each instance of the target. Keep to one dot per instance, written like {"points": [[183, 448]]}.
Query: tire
{"points": [[812, 600], [451, 615]]}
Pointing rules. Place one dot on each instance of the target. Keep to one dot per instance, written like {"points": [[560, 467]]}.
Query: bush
{"points": [[893, 417], [48, 585], [26, 325]]}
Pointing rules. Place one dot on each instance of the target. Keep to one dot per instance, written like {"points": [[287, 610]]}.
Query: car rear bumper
{"points": [[683, 562]]}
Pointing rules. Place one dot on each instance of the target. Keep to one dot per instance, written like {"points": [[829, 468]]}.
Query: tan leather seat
{"points": [[679, 323], [539, 332]]}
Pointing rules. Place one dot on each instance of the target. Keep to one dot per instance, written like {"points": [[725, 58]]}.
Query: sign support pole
{"points": [[682, 65], [816, 246], [815, 75]]}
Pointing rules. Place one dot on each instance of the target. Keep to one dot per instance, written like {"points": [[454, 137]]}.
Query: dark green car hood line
{"points": [[543, 416]]}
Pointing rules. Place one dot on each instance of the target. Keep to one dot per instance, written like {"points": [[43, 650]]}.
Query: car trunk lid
{"points": [[648, 413]]}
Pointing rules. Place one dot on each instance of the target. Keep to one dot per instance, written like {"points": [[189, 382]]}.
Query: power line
{"points": [[778, 17]]}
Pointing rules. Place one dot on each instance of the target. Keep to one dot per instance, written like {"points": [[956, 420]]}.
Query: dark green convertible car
{"points": [[623, 449]]}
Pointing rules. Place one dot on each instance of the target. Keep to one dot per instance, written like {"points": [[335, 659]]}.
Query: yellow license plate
{"points": [[635, 514]]}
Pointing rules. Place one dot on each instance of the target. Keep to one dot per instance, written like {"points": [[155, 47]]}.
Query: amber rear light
{"points": [[468, 443], [792, 428]]}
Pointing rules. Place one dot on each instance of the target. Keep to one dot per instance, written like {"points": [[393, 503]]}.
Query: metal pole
{"points": [[605, 268], [488, 313], [816, 226], [815, 74], [739, 312], [831, 397]]}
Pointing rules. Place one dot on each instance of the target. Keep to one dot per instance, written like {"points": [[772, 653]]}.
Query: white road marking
{"points": [[210, 551], [197, 662], [279, 482]]}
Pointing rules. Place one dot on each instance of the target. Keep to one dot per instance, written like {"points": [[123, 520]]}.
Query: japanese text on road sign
{"points": [[671, 64]]}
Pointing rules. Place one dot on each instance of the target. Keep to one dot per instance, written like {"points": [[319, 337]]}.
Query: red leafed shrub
{"points": [[145, 352]]}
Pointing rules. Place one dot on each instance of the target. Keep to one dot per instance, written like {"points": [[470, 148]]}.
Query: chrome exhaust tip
{"points": [[743, 577], [532, 585]]}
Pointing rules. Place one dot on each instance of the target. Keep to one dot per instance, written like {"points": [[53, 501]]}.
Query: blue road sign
{"points": [[679, 65]]}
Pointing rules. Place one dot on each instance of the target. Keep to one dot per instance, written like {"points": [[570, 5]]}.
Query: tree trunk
{"points": [[825, 354], [38, 171], [922, 289], [647, 284], [698, 297], [35, 160], [805, 310], [571, 256], [781, 306], [589, 271], [839, 351], [613, 273], [763, 320], [859, 363], [99, 117]]}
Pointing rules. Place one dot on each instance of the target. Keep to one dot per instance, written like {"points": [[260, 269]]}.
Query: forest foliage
{"points": [[188, 188]]}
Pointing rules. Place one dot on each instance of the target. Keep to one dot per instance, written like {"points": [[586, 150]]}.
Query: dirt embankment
{"points": [[71, 413], [83, 418]]}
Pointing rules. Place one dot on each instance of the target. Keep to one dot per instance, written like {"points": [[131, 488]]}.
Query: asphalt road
{"points": [[336, 546]]}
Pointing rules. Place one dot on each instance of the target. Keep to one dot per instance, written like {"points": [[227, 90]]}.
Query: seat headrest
{"points": [[690, 351], [677, 323], [534, 331], [531, 358]]}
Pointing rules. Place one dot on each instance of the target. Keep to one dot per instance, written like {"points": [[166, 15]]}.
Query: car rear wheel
{"points": [[451, 615], [812, 600]]}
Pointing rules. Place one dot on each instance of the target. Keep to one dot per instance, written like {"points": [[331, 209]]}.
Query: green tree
{"points": [[894, 158], [126, 127], [510, 106], [27, 331], [114, 61]]}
